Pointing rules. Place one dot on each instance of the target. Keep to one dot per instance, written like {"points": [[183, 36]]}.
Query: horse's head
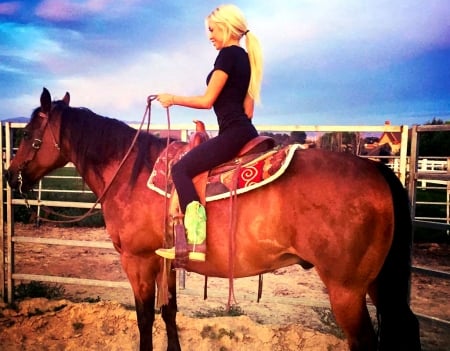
{"points": [[39, 151]]}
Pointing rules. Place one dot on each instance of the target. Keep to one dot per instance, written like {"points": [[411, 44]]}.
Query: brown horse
{"points": [[347, 216]]}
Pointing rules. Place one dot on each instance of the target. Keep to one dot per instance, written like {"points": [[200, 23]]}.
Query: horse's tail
{"points": [[398, 326]]}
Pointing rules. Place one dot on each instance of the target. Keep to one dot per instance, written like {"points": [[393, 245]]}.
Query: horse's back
{"points": [[346, 205], [325, 207]]}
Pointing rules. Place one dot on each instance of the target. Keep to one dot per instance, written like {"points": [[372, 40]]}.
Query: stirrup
{"points": [[170, 254]]}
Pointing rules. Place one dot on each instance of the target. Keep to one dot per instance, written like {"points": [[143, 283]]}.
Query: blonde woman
{"points": [[233, 86]]}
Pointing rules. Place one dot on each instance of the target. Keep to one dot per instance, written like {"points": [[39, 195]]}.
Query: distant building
{"points": [[393, 139]]}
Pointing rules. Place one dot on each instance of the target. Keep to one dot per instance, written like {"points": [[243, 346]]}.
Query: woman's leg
{"points": [[200, 159], [206, 156]]}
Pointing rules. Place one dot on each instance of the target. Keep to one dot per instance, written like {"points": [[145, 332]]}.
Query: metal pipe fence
{"points": [[415, 172]]}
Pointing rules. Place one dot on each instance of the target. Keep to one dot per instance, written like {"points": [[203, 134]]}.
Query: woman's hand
{"points": [[166, 100]]}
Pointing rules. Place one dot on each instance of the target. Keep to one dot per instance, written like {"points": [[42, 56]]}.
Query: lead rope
{"points": [[166, 200], [105, 190], [162, 297]]}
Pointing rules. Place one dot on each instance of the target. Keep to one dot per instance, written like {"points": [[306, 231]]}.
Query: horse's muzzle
{"points": [[11, 178]]}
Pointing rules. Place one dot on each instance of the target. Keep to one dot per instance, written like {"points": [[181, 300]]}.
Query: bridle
{"points": [[36, 145]]}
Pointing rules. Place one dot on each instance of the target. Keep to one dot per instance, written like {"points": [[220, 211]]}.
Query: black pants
{"points": [[206, 156]]}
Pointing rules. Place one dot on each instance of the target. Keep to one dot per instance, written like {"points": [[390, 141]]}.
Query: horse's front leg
{"points": [[142, 273], [169, 313], [142, 277], [145, 312]]}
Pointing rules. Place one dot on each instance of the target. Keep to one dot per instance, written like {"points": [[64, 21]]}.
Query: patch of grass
{"points": [[226, 333], [91, 299], [221, 312], [208, 332], [211, 333], [38, 289]]}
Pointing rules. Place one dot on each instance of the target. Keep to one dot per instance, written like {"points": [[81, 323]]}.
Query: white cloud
{"points": [[67, 10], [123, 89], [320, 33], [9, 7]]}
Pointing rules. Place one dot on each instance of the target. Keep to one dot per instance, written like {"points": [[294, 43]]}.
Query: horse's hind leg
{"points": [[350, 310]]}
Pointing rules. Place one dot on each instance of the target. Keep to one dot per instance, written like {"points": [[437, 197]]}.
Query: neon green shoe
{"points": [[195, 223]]}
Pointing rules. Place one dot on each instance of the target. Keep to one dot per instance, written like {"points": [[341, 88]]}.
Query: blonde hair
{"points": [[233, 23]]}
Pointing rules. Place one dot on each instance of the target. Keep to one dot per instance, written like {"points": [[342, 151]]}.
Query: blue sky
{"points": [[327, 62]]}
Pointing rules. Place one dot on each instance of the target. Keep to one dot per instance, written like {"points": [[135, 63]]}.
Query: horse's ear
{"points": [[66, 98], [46, 101]]}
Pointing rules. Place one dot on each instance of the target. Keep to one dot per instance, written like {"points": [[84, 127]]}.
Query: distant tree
{"points": [[434, 143], [280, 139], [328, 141], [351, 142], [16, 135], [297, 137], [340, 141]]}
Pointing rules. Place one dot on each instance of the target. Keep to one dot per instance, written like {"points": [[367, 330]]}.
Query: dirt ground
{"points": [[293, 313]]}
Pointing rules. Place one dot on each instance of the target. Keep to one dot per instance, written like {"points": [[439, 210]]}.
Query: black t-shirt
{"points": [[229, 106]]}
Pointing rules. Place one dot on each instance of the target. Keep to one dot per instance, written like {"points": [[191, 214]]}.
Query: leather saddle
{"points": [[258, 163]]}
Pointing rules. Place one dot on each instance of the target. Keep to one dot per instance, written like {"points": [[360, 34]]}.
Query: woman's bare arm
{"points": [[205, 101]]}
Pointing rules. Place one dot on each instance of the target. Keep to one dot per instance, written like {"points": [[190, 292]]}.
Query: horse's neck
{"points": [[97, 180], [99, 176], [110, 176]]}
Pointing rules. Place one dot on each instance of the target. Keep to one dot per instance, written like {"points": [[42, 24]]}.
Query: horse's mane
{"points": [[97, 140]]}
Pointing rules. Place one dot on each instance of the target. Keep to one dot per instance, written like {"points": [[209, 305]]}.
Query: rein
{"points": [[37, 144]]}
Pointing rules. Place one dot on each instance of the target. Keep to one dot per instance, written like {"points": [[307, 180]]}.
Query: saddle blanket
{"points": [[242, 174]]}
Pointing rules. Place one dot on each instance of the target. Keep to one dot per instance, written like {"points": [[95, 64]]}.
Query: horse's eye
{"points": [[26, 135]]}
